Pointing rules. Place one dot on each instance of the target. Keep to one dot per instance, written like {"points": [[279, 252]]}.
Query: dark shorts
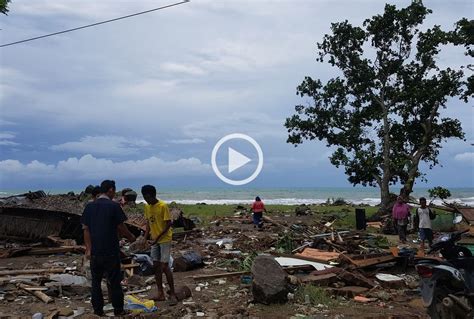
{"points": [[426, 234]]}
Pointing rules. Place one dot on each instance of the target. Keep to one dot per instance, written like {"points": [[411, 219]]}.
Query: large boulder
{"points": [[270, 283]]}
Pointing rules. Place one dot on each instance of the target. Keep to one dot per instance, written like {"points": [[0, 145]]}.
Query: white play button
{"points": [[236, 160]]}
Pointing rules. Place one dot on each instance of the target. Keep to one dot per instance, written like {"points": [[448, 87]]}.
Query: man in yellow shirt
{"points": [[159, 229]]}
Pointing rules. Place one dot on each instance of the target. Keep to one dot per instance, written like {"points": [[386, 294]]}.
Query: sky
{"points": [[145, 99]]}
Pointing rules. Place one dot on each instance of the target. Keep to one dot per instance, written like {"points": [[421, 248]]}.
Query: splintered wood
{"points": [[319, 255]]}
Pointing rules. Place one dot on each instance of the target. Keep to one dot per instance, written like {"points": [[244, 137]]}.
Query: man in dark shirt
{"points": [[103, 222]]}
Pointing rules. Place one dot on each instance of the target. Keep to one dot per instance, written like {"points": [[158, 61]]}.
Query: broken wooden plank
{"points": [[319, 280], [375, 224], [56, 250], [15, 272], [319, 255], [356, 279], [361, 261], [36, 288], [220, 275], [38, 294]]}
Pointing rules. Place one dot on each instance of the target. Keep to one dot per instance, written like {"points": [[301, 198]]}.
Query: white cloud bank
{"points": [[88, 166], [102, 145]]}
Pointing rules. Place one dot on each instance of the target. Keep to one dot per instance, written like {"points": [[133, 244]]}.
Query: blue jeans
{"points": [[257, 219]]}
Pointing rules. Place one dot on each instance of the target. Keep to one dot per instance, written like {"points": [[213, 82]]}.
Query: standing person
{"points": [[103, 221], [159, 228], [258, 207], [423, 218], [400, 214]]}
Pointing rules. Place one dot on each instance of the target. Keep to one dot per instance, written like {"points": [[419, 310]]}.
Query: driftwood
{"points": [[38, 294]]}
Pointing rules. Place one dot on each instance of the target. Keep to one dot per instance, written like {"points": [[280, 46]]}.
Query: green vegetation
{"points": [[317, 295], [383, 112], [4, 6], [439, 192], [343, 214]]}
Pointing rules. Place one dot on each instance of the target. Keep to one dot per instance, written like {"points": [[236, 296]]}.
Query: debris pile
{"points": [[224, 267]]}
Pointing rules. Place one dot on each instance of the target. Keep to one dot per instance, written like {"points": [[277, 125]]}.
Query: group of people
{"points": [[401, 213], [103, 224]]}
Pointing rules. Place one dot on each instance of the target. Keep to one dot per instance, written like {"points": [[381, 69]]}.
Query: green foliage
{"points": [[317, 295], [285, 243], [439, 192], [246, 264], [4, 6], [382, 114], [339, 201]]}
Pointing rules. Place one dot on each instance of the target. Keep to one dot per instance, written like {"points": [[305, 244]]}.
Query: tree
{"points": [[382, 113], [4, 6]]}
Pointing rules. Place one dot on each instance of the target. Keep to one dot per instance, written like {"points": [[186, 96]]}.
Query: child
{"points": [[258, 207], [159, 227]]}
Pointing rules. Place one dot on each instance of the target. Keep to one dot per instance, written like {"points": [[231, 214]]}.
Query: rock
{"points": [[269, 281], [66, 312], [183, 292]]}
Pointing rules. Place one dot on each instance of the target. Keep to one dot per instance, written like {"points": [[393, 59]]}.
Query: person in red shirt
{"points": [[258, 207]]}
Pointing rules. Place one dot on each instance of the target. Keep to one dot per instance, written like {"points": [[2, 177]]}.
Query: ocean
{"points": [[280, 196]]}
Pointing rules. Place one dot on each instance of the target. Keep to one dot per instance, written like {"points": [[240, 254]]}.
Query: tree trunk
{"points": [[385, 198], [386, 169]]}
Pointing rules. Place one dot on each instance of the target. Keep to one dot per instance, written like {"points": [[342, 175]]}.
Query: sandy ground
{"points": [[224, 299]]}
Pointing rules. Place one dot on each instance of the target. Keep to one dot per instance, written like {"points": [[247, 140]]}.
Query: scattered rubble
{"points": [[225, 268]]}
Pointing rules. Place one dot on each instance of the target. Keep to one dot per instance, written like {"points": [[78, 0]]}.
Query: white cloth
{"points": [[424, 215]]}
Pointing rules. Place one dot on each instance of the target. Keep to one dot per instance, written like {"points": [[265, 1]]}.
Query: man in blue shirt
{"points": [[103, 222]]}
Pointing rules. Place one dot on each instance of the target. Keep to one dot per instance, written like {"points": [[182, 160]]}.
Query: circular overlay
{"points": [[241, 136]]}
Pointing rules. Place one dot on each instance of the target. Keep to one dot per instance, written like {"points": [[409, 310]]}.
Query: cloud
{"points": [[102, 145], [90, 167], [182, 68], [188, 141], [6, 137], [465, 157], [146, 89], [254, 124]]}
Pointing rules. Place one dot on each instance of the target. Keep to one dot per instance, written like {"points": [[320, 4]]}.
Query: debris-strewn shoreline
{"points": [[308, 260]]}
